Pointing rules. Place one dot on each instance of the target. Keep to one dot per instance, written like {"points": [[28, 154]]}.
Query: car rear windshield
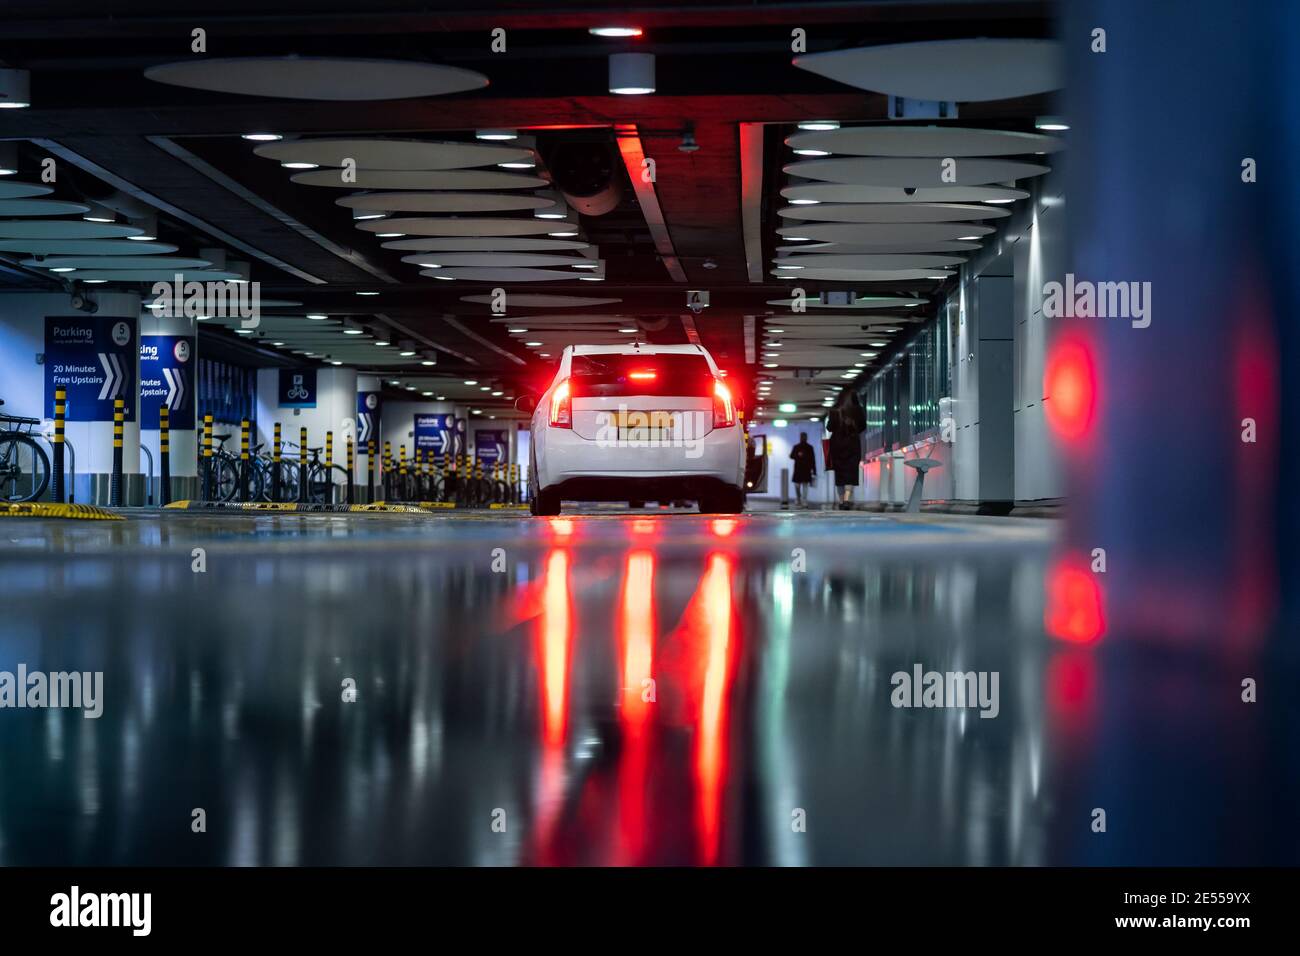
{"points": [[609, 375]]}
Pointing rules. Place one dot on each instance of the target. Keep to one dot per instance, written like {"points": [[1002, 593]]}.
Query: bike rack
{"points": [[149, 455]]}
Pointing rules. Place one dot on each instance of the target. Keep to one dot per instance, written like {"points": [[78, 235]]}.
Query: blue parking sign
{"points": [[94, 358]]}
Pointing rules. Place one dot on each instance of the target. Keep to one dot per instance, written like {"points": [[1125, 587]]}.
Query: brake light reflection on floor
{"points": [[712, 628], [555, 633]]}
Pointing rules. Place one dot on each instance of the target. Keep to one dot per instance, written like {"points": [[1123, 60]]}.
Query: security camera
{"points": [[84, 303], [909, 190]]}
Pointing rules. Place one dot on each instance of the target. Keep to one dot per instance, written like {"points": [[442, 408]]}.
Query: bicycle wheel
{"points": [[328, 486], [24, 469], [225, 478]]}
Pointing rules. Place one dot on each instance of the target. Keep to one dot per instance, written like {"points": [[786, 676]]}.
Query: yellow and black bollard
{"points": [[370, 471], [388, 468], [207, 457], [115, 482], [329, 450], [60, 413], [245, 462], [302, 464], [275, 464], [164, 453], [351, 468], [401, 472]]}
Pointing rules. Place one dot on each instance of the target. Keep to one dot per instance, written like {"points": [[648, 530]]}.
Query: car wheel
{"points": [[545, 503]]}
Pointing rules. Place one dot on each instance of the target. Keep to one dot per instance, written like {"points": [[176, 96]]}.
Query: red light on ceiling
{"points": [[1070, 384], [1075, 609]]}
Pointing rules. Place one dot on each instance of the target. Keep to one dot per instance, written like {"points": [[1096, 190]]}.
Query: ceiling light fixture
{"points": [[811, 152], [317, 316], [149, 223], [99, 213], [15, 89], [614, 32], [819, 125], [300, 165], [631, 74], [496, 135], [262, 137], [8, 159], [1053, 124]]}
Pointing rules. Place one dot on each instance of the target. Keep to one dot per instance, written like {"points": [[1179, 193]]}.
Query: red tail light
{"points": [[561, 413], [724, 411], [642, 376]]}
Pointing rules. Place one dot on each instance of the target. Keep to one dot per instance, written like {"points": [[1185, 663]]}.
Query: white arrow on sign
{"points": [[364, 418], [113, 378]]}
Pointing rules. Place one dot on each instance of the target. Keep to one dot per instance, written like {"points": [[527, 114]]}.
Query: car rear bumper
{"points": [[593, 471]]}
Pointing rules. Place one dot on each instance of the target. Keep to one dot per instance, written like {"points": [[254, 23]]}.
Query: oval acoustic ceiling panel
{"points": [[860, 302], [391, 154], [460, 227], [11, 190], [153, 275], [501, 275], [486, 244], [913, 171], [116, 262], [868, 261], [866, 275], [940, 141], [849, 248], [419, 179], [64, 229], [494, 259], [41, 207], [85, 247], [541, 300], [317, 78], [839, 192], [966, 71], [892, 212], [444, 202], [872, 233]]}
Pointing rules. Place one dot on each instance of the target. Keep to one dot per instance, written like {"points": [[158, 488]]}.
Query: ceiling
{"points": [[708, 220]]}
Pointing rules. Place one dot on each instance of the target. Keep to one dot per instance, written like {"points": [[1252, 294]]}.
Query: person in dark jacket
{"points": [[805, 468], [846, 424]]}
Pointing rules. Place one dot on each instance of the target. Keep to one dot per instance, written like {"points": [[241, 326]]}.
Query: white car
{"points": [[637, 423]]}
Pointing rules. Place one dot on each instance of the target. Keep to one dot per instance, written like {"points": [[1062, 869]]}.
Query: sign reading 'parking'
{"points": [[93, 357]]}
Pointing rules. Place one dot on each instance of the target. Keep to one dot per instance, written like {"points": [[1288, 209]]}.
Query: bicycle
{"points": [[326, 485], [226, 468], [24, 467]]}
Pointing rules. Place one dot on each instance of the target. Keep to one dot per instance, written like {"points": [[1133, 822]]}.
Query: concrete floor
{"points": [[501, 665]]}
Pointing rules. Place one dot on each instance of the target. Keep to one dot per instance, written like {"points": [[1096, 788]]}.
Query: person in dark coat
{"points": [[805, 468], [846, 424]]}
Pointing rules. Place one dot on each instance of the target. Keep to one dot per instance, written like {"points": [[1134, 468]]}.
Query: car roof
{"points": [[638, 350]]}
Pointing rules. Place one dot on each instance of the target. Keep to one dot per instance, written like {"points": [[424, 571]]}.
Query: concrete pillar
{"points": [[169, 372]]}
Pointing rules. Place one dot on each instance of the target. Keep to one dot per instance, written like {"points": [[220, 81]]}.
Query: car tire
{"points": [[545, 503], [726, 501]]}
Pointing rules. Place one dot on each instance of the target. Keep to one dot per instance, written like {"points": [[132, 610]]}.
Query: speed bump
{"points": [[38, 509]]}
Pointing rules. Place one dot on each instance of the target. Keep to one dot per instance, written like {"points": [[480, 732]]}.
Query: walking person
{"points": [[846, 424], [805, 469]]}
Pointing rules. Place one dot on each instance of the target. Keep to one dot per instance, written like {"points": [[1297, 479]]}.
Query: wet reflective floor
{"points": [[614, 689]]}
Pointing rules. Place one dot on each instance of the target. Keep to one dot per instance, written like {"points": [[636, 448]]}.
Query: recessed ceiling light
{"points": [[797, 239], [352, 331], [544, 354], [242, 331], [428, 362], [497, 394], [496, 135], [566, 233], [627, 330], [784, 265], [485, 388], [531, 345], [406, 353], [770, 365], [849, 375], [805, 202], [998, 202], [591, 278], [102, 281], [868, 354], [432, 265], [811, 152], [335, 362], [819, 125], [614, 31], [367, 293], [1053, 124], [517, 331], [388, 235], [966, 238], [521, 164], [549, 215], [859, 364], [301, 165], [787, 407], [446, 278], [393, 381], [776, 330], [427, 394], [262, 137], [277, 344], [877, 345], [317, 316], [381, 344], [471, 381], [63, 269]]}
